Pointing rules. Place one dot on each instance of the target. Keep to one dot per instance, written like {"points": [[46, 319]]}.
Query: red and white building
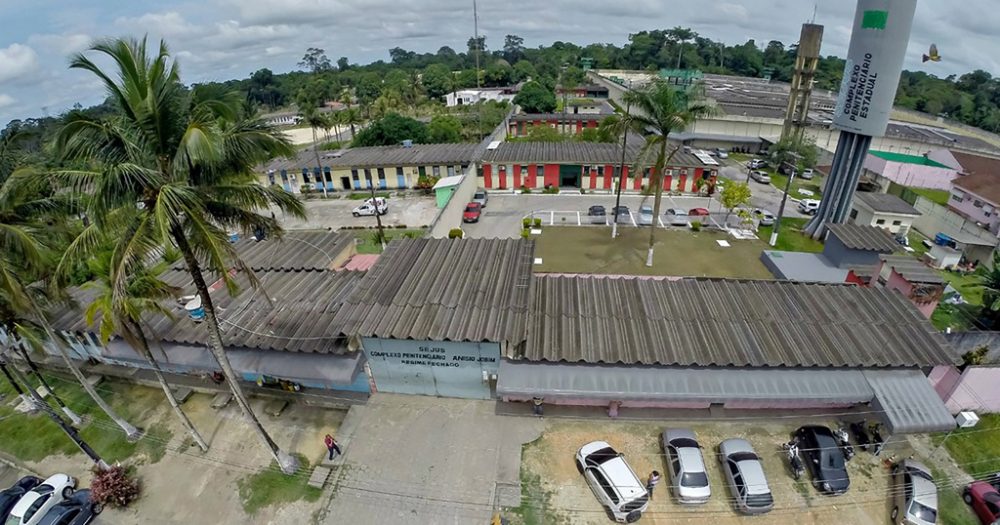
{"points": [[573, 123], [585, 165]]}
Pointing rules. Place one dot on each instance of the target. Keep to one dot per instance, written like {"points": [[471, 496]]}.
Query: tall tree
{"points": [[315, 60], [188, 160], [661, 109], [315, 120], [535, 98], [123, 313], [343, 64], [437, 80], [513, 48]]}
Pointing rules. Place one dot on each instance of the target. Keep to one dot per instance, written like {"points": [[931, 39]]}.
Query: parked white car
{"points": [[372, 206], [915, 498], [645, 217], [686, 466], [33, 506], [765, 217], [745, 477], [677, 216], [809, 206], [807, 174], [613, 481], [760, 177]]}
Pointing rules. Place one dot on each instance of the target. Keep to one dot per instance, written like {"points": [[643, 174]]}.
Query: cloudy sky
{"points": [[223, 39]]}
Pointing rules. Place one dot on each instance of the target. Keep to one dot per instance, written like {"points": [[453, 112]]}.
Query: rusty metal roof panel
{"points": [[860, 237], [696, 322]]}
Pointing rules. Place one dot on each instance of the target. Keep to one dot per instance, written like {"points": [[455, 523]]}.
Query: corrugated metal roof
{"points": [[711, 385], [885, 203], [444, 289], [912, 269], [297, 319], [584, 153], [858, 237], [294, 251], [380, 157], [697, 322], [909, 403]]}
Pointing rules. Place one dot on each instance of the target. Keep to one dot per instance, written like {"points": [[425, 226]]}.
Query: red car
{"points": [[984, 500], [472, 212], [698, 212]]}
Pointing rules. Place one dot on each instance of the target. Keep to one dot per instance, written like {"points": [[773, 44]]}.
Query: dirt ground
{"points": [[185, 475], [412, 211], [568, 498]]}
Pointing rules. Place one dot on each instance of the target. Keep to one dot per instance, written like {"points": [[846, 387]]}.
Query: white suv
{"points": [[613, 481]]}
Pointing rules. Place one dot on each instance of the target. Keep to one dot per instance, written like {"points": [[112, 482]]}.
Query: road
{"points": [[765, 196]]}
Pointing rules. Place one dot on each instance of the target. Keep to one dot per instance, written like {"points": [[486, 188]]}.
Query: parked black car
{"points": [[824, 458], [9, 497], [597, 214], [77, 510]]}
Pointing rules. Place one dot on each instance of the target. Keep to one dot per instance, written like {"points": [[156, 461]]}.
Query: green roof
{"points": [[907, 159]]}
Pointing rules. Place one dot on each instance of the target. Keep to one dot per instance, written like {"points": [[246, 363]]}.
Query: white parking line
{"points": [[659, 220], [632, 218], [552, 218], [578, 223]]}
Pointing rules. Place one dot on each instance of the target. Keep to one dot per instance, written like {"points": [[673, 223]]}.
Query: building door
{"points": [[345, 183], [569, 175], [432, 368]]}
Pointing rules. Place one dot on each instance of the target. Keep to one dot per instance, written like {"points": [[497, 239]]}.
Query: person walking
{"points": [[536, 405], [332, 446], [654, 478]]}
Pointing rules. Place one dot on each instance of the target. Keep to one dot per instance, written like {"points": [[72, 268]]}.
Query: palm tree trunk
{"points": [[45, 407], [657, 199], [288, 463], [132, 433], [75, 419], [25, 398], [143, 348], [319, 164]]}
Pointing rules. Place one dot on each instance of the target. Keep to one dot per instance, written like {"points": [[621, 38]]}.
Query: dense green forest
{"points": [[415, 83]]}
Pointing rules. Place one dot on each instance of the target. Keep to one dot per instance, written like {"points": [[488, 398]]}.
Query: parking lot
{"points": [[412, 211], [502, 216], [556, 492]]}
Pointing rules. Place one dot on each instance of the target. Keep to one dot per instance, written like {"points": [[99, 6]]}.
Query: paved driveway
{"points": [[416, 459], [764, 196], [502, 216], [411, 211]]}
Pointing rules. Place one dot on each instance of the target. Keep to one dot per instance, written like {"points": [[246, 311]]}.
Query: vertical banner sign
{"points": [[880, 35]]}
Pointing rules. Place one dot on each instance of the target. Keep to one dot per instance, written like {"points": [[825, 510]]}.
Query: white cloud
{"points": [[6, 100], [167, 24], [17, 61], [61, 44]]}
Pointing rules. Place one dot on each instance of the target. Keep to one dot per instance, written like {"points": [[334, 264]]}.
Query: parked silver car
{"points": [[481, 197], [685, 466], [915, 499], [760, 177], [745, 476], [645, 217], [677, 216], [613, 481], [765, 217]]}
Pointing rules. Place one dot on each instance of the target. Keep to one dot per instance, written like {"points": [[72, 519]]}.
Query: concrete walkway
{"points": [[415, 459]]}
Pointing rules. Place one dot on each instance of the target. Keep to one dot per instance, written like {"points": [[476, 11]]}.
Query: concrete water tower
{"points": [[802, 80], [881, 32]]}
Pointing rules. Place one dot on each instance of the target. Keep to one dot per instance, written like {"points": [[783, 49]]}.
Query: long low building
{"points": [[384, 167], [586, 165], [469, 318]]}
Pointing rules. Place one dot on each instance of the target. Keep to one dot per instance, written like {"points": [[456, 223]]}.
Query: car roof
{"points": [[621, 476], [925, 492], [753, 476], [691, 460], [23, 503]]}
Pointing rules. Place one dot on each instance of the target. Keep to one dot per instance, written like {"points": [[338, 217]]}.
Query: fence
{"points": [[939, 219], [450, 216]]}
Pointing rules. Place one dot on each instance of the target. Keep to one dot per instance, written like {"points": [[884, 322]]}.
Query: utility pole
{"points": [[479, 82], [781, 210], [75, 419], [378, 216], [41, 404]]}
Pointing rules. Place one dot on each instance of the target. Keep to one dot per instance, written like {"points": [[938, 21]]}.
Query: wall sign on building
{"points": [[434, 368]]}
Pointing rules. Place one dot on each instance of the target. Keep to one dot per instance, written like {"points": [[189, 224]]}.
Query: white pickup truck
{"points": [[372, 206]]}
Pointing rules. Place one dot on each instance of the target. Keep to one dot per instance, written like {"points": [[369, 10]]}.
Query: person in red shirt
{"points": [[331, 445]]}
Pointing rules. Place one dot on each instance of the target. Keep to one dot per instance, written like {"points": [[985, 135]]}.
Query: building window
{"points": [[880, 222], [381, 174], [436, 170], [354, 175], [958, 197], [897, 223], [399, 171], [854, 214]]}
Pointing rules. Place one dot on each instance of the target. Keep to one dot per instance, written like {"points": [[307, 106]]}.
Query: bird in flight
{"points": [[932, 55]]}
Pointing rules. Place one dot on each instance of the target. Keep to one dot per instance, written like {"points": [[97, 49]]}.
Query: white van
{"points": [[371, 207], [809, 206]]}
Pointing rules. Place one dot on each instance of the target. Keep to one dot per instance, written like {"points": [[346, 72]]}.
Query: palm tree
{"points": [[25, 199], [661, 109], [345, 97], [143, 293], [315, 120], [615, 127], [188, 160], [352, 118]]}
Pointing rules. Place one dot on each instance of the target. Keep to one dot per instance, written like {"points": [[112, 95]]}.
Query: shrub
{"points": [[412, 235], [115, 487], [525, 223], [525, 234], [551, 190], [400, 226], [525, 189], [455, 233], [306, 192], [537, 222], [583, 191], [376, 237], [696, 226]]}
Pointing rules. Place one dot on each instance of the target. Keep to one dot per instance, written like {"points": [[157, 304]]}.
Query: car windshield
{"points": [[645, 210], [472, 208], [694, 479], [13, 520], [923, 512], [920, 474], [44, 489], [684, 443], [759, 500], [601, 456], [480, 195], [743, 456]]}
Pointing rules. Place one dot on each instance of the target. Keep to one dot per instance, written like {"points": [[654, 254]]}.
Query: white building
{"points": [[464, 97], [883, 210]]}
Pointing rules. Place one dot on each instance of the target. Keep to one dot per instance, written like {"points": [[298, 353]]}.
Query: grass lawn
{"points": [[936, 196], [967, 285], [976, 450], [916, 242], [32, 438], [366, 238], [814, 185], [677, 253], [951, 509], [271, 486], [790, 237]]}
